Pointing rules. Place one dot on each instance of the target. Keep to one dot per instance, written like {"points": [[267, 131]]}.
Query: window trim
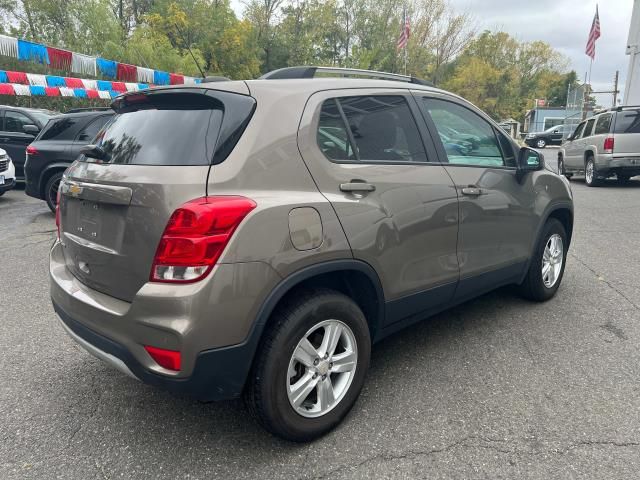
{"points": [[413, 110], [433, 130]]}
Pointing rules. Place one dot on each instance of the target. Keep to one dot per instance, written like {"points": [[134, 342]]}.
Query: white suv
{"points": [[7, 173], [605, 145]]}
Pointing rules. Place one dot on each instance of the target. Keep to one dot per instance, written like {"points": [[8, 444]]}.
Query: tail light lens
{"points": [[169, 359], [608, 145], [195, 237], [58, 212], [32, 150]]}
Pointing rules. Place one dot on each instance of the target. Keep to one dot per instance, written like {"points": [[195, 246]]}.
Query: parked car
{"points": [[18, 129], [551, 136], [256, 238], [56, 146], [7, 173], [605, 145]]}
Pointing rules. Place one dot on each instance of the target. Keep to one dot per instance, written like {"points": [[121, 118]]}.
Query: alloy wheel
{"points": [[321, 368], [552, 259], [588, 174]]}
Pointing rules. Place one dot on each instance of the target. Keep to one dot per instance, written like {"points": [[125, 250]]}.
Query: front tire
{"points": [[547, 264], [311, 366], [51, 190]]}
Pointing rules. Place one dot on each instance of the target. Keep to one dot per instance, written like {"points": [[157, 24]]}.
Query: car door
{"points": [[14, 139], [395, 201], [497, 221], [556, 135], [574, 148], [86, 135]]}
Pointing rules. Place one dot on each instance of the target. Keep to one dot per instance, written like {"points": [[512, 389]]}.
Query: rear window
{"points": [[628, 121], [174, 128]]}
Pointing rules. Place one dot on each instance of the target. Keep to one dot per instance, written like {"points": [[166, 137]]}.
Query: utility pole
{"points": [[615, 89]]}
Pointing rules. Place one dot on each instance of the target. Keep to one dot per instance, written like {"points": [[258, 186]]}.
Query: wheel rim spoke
{"points": [[326, 395], [332, 334], [300, 390], [552, 260], [345, 362], [305, 353]]}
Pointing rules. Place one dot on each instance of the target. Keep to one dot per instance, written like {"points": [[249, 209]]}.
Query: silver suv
{"points": [[605, 145], [257, 237]]}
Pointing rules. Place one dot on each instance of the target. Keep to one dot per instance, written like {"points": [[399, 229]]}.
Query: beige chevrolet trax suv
{"points": [[257, 237]]}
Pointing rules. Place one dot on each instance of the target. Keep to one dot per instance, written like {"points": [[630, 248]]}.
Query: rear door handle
{"points": [[357, 186], [471, 191]]}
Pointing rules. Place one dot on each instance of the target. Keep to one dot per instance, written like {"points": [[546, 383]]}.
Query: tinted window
{"points": [[628, 121], [382, 128], [579, 130], [63, 128], [89, 132], [588, 128], [332, 136], [163, 130], [42, 117], [475, 142], [602, 125], [15, 121]]}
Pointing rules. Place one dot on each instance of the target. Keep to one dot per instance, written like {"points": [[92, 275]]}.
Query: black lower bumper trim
{"points": [[7, 185], [219, 374]]}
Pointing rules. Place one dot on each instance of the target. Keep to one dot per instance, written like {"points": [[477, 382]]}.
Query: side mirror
{"points": [[94, 151], [30, 129], [529, 160]]}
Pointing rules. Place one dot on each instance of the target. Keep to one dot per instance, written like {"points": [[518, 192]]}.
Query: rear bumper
{"points": [[210, 323], [609, 165], [219, 374]]}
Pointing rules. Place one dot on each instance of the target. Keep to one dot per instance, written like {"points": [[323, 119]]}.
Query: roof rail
{"points": [[622, 107], [87, 109], [310, 72]]}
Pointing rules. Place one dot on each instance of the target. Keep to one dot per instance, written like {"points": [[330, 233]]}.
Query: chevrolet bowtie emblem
{"points": [[75, 190]]}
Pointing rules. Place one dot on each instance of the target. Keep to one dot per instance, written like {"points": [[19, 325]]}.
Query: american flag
{"points": [[594, 34], [406, 31]]}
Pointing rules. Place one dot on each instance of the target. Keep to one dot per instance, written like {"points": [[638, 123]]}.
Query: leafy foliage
{"points": [[494, 70]]}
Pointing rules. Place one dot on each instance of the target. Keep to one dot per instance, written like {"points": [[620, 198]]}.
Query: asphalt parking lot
{"points": [[496, 388]]}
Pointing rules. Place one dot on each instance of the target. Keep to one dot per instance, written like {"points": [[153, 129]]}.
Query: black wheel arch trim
{"points": [[551, 208]]}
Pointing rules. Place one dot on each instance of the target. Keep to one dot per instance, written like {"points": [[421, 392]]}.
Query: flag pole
{"points": [[405, 57]]}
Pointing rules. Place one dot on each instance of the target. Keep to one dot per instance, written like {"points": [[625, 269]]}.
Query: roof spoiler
{"points": [[311, 72]]}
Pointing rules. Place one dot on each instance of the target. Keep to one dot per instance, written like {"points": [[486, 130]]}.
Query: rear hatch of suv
{"points": [[153, 156], [626, 132]]}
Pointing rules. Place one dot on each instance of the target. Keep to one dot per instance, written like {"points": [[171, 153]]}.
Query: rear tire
{"points": [[623, 179], [541, 143], [270, 395], [51, 190], [590, 174], [547, 266]]}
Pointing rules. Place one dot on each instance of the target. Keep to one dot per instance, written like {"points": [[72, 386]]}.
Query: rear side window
{"points": [[63, 128], [603, 124], [382, 129], [588, 128], [175, 128], [628, 121]]}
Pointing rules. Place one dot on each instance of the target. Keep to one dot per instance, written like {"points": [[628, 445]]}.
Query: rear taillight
{"points": [[195, 237], [608, 145], [169, 359], [32, 150], [58, 213]]}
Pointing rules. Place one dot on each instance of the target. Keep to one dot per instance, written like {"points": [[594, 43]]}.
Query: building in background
{"points": [[632, 87]]}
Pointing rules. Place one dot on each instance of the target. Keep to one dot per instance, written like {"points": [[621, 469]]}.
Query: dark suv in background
{"points": [[57, 145], [18, 127]]}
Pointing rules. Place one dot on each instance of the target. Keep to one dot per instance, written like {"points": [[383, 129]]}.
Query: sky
{"points": [[565, 25]]}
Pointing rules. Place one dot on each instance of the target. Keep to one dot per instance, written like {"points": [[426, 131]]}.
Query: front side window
{"points": [[467, 138], [381, 129], [15, 121], [603, 124]]}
